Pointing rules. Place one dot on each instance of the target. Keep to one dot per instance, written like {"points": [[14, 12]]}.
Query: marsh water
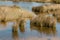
{"points": [[27, 32]]}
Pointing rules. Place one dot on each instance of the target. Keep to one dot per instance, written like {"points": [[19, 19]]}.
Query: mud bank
{"points": [[53, 9], [46, 8], [43, 1]]}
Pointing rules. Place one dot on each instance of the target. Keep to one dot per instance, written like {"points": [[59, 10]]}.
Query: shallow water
{"points": [[28, 32]]}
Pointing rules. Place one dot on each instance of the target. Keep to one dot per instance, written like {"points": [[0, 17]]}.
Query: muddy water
{"points": [[28, 32]]}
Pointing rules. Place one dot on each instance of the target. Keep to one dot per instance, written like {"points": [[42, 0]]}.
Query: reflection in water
{"points": [[44, 30], [27, 30], [15, 31], [15, 35]]}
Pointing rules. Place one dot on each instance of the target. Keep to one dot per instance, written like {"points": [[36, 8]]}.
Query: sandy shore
{"points": [[43, 38]]}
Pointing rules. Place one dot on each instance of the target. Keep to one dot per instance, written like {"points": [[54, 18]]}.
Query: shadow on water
{"points": [[44, 30]]}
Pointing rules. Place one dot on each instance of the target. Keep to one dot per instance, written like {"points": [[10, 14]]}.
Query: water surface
{"points": [[27, 32]]}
